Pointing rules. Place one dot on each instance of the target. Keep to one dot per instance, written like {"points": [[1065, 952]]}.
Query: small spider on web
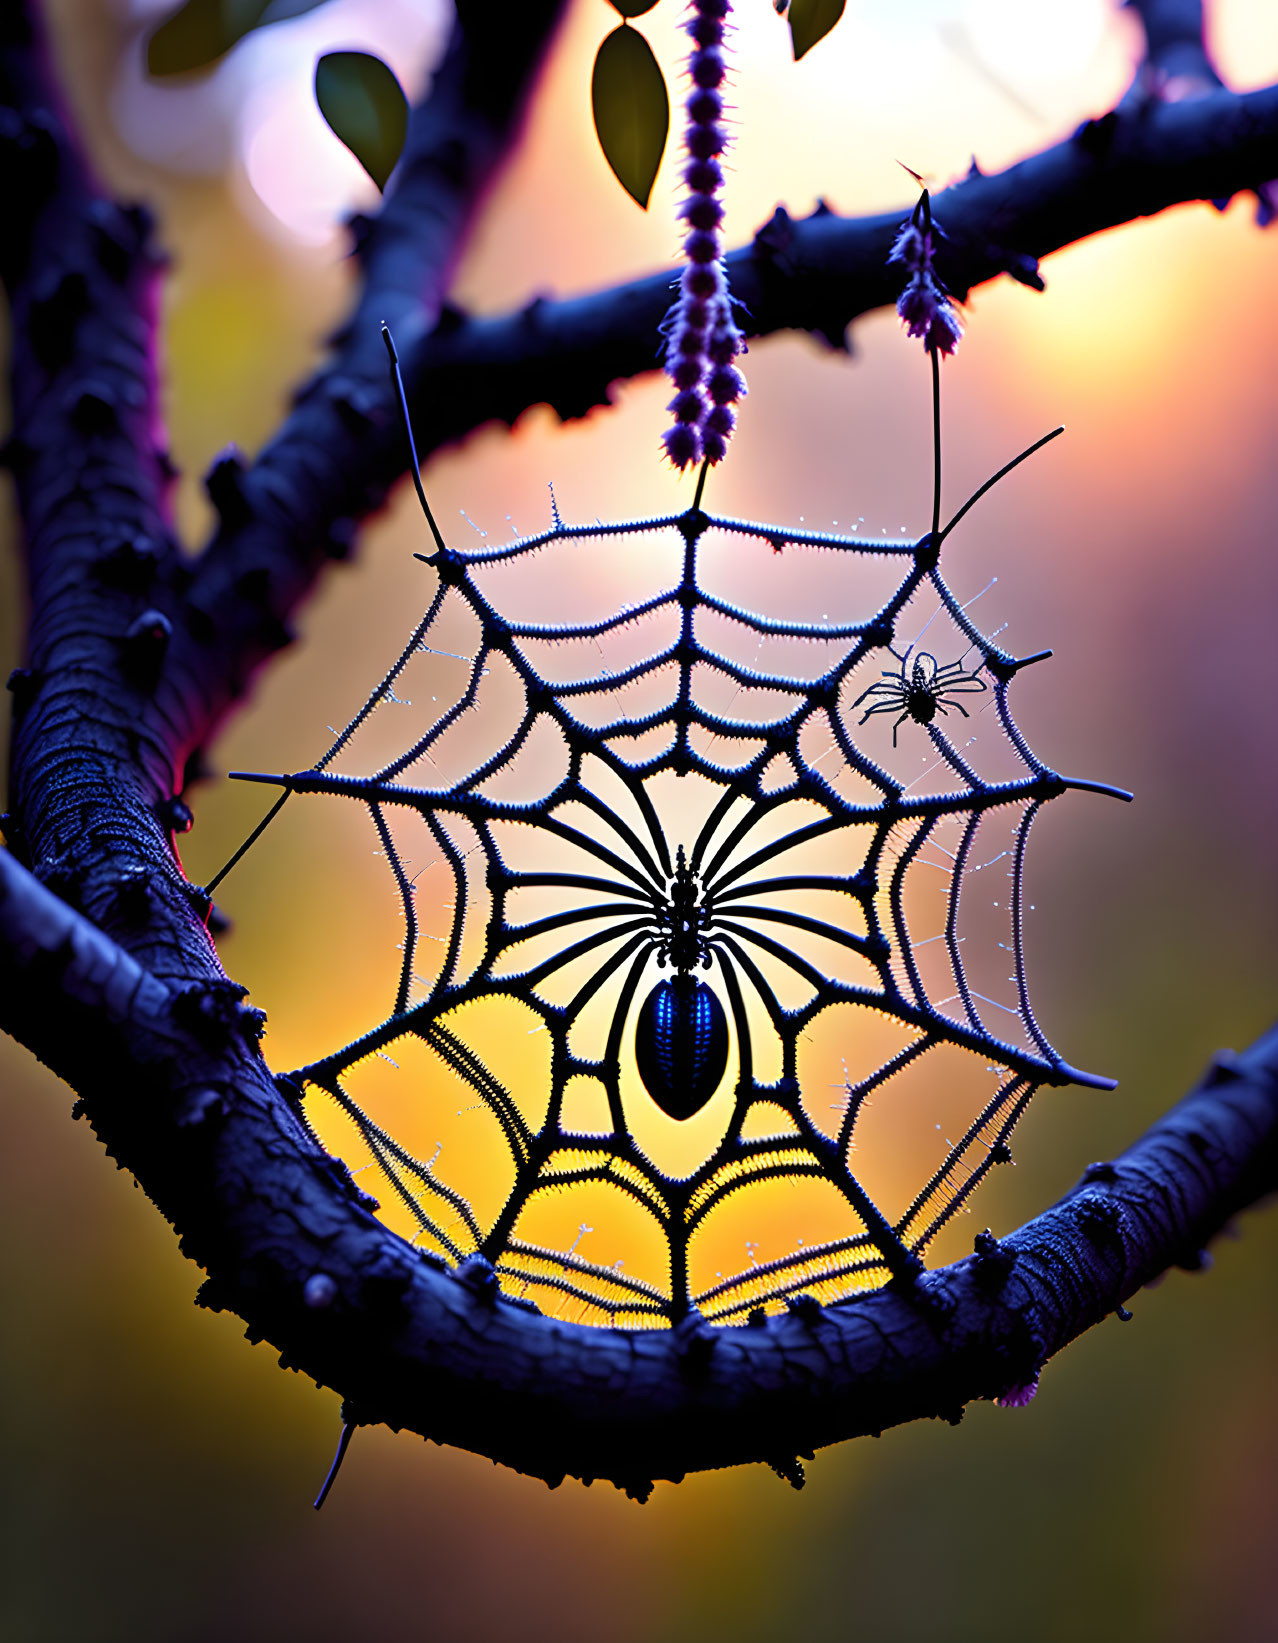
{"points": [[920, 693]]}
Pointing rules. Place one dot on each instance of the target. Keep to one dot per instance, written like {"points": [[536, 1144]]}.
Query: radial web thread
{"points": [[698, 684]]}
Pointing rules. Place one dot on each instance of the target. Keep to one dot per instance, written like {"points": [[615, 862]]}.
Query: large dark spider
{"points": [[555, 792], [926, 690]]}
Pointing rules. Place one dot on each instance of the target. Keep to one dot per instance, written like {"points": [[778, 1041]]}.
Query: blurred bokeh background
{"points": [[157, 1470]]}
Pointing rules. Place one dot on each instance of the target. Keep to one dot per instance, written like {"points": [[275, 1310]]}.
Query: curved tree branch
{"points": [[292, 512], [134, 658], [823, 272], [131, 658], [818, 275], [175, 1088]]}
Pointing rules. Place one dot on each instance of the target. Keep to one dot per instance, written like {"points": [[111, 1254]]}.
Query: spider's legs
{"points": [[898, 725], [880, 687], [883, 707]]}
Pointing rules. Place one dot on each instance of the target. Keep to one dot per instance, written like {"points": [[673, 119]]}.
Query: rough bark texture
{"points": [[135, 656], [179, 1095], [822, 272]]}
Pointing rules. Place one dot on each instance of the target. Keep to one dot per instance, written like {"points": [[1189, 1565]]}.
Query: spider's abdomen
{"points": [[681, 1045], [920, 704]]}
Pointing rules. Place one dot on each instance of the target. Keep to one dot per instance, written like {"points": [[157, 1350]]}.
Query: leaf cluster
{"points": [[357, 93], [628, 94], [364, 104]]}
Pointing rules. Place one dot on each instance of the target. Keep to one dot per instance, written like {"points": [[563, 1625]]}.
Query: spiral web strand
{"points": [[630, 692]]}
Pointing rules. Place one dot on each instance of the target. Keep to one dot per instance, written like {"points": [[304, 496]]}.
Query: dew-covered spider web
{"points": [[628, 733]]}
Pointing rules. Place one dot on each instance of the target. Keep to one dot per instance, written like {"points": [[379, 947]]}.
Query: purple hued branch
{"points": [[135, 654]]}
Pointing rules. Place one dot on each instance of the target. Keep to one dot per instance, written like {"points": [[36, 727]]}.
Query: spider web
{"points": [[695, 683]]}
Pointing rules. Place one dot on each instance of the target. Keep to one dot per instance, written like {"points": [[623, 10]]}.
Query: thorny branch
{"points": [[134, 656], [177, 1091]]}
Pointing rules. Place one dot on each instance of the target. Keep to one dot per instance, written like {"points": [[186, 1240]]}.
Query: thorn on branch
{"points": [[175, 815], [123, 237], [1019, 264], [359, 225], [1096, 137], [774, 240], [224, 483], [452, 318], [993, 1262], [128, 562], [214, 1011], [1100, 1219], [146, 643], [276, 634], [479, 1276], [132, 893], [1225, 1068], [213, 1297], [833, 331], [23, 684], [337, 1171], [790, 1470], [93, 409], [806, 1308], [359, 404], [339, 542]]}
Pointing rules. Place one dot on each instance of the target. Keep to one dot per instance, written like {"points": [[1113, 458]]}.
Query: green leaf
{"points": [[201, 31], [811, 21], [361, 99], [632, 110], [632, 8]]}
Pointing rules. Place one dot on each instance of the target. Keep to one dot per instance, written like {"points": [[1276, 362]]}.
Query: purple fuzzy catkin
{"points": [[924, 306], [702, 338]]}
